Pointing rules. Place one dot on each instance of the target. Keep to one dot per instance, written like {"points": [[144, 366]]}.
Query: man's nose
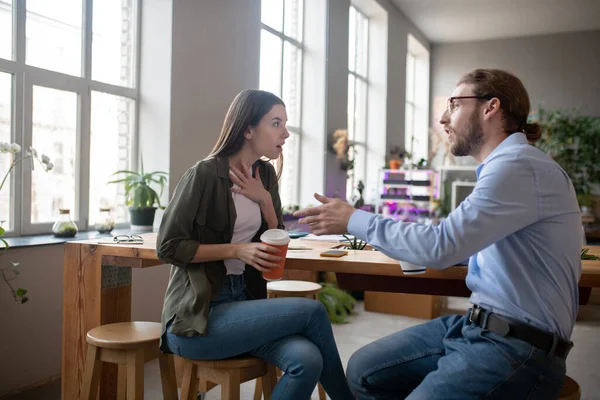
{"points": [[444, 118]]}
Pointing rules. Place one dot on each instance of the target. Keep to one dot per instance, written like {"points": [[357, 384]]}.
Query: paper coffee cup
{"points": [[411, 269], [280, 239]]}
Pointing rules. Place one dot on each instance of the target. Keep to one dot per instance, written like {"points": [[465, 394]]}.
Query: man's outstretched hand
{"points": [[331, 217]]}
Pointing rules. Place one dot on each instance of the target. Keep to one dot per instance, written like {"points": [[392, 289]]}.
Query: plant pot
{"points": [[142, 219], [395, 164]]}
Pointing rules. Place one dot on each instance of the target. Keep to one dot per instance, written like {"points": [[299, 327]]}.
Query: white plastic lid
{"points": [[275, 237]]}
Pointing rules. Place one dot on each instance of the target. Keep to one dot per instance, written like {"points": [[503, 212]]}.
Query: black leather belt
{"points": [[543, 340]]}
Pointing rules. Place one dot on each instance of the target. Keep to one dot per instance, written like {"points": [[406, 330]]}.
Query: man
{"points": [[520, 227]]}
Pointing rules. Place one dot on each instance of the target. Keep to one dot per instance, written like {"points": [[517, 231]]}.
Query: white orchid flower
{"points": [[49, 166], [45, 159], [5, 147], [15, 148]]}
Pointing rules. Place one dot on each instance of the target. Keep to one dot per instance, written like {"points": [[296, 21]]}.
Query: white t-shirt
{"points": [[247, 223]]}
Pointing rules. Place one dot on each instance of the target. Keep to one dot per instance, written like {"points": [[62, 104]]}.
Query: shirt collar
{"points": [[514, 138]]}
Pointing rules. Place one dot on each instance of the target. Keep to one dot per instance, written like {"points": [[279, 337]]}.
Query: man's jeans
{"points": [[450, 358], [292, 333]]}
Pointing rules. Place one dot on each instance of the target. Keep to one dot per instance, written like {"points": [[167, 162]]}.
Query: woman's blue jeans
{"points": [[293, 334]]}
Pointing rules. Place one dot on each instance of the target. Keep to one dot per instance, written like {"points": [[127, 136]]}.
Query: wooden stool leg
{"points": [[122, 382], [189, 383], [322, 395], [269, 380], [167, 376], [135, 374], [93, 369], [230, 388], [258, 389]]}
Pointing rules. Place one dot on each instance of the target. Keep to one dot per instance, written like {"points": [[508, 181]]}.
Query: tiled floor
{"points": [[583, 363]]}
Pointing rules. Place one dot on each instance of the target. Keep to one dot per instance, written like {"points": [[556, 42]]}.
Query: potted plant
{"points": [[10, 271], [573, 141], [140, 197]]}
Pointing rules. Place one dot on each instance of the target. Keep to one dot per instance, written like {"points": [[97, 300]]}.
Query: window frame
{"points": [[294, 131], [361, 145], [24, 77]]}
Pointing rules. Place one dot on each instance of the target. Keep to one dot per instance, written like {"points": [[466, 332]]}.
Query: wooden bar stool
{"points": [[284, 288], [201, 376], [570, 390], [130, 345]]}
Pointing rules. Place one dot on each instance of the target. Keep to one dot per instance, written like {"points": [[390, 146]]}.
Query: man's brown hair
{"points": [[514, 100]]}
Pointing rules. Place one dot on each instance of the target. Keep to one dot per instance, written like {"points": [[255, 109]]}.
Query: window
{"points": [[68, 71], [281, 51], [417, 100], [358, 87]]}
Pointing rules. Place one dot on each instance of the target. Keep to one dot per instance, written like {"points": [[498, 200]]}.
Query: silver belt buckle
{"points": [[474, 316]]}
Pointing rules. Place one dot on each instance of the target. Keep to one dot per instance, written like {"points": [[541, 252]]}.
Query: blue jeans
{"points": [[450, 358], [292, 333]]}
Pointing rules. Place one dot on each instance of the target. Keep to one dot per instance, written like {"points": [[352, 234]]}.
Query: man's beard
{"points": [[470, 140]]}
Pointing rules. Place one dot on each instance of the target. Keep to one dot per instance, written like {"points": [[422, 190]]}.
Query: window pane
{"points": [[410, 77], [288, 185], [54, 35], [362, 44], [270, 62], [409, 127], [356, 174], [5, 158], [54, 133], [6, 27], [360, 133], [272, 14], [292, 82], [352, 40], [113, 45], [351, 104], [293, 19], [110, 151]]}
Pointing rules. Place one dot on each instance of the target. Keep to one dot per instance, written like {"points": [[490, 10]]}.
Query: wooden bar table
{"points": [[97, 289]]}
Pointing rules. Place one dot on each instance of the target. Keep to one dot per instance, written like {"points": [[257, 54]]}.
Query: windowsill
{"points": [[45, 240]]}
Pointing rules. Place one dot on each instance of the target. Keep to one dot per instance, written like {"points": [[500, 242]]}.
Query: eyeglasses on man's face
{"points": [[128, 239], [451, 104]]}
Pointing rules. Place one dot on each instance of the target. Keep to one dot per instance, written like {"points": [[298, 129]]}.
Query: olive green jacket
{"points": [[202, 211]]}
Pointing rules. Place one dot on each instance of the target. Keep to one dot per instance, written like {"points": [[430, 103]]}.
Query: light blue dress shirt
{"points": [[521, 228]]}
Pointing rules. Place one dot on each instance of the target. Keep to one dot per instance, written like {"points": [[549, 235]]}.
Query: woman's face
{"points": [[268, 137]]}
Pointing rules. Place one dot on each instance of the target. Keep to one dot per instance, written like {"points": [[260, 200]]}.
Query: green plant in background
{"points": [[573, 141], [138, 191], [586, 256], [355, 244], [339, 304], [11, 272]]}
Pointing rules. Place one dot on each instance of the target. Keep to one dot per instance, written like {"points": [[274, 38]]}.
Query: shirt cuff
{"points": [[359, 223]]}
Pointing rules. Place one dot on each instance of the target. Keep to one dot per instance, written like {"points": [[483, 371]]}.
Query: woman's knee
{"points": [[305, 355]]}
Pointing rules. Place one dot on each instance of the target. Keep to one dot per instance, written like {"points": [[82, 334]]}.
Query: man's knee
{"points": [[355, 372]]}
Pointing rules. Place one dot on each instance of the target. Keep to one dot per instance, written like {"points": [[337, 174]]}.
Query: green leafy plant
{"points": [[11, 272], [338, 303], [355, 244], [586, 256], [138, 191], [573, 141]]}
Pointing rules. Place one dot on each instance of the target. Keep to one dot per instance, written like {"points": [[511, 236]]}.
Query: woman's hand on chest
{"points": [[251, 187]]}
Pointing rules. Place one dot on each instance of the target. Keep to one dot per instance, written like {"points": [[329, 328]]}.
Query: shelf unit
{"points": [[407, 191]]}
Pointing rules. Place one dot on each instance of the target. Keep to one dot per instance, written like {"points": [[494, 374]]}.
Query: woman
{"points": [[214, 307]]}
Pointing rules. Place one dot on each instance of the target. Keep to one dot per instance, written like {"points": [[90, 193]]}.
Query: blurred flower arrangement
{"points": [[11, 272], [340, 145]]}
